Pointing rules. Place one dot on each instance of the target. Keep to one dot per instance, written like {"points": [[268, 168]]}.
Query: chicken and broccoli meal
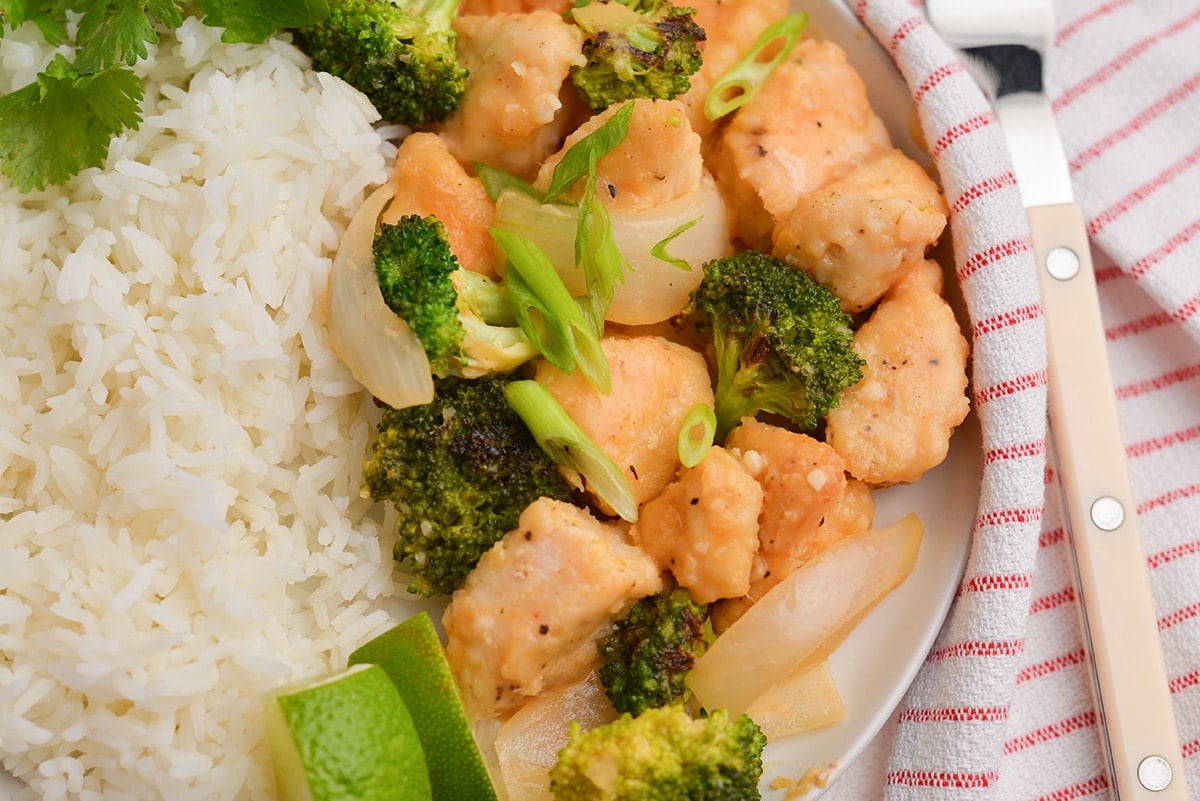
{"points": [[678, 351], [623, 312]]}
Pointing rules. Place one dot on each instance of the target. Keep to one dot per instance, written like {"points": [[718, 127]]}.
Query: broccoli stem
{"points": [[438, 15], [733, 397], [488, 299]]}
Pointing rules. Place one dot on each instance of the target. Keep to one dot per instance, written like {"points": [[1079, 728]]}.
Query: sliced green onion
{"points": [[651, 290], [696, 434], [597, 254], [579, 161], [567, 444], [496, 181], [546, 312], [582, 156], [659, 251], [591, 359], [735, 88]]}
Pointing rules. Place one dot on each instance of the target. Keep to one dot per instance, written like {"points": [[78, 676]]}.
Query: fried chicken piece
{"points": [[429, 180], [851, 512], [895, 424], [856, 234], [528, 616], [515, 110], [658, 160], [704, 527], [809, 124], [731, 27], [655, 383]]}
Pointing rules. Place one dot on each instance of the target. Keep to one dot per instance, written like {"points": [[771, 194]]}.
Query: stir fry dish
{"points": [[590, 352]]}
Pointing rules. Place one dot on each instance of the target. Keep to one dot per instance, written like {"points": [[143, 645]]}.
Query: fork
{"points": [[1003, 44]]}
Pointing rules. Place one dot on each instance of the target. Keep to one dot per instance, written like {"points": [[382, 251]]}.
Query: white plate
{"points": [[876, 664], [879, 660]]}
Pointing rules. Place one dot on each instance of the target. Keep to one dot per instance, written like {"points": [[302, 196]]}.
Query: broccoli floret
{"points": [[781, 340], [399, 53], [635, 48], [662, 755], [462, 318], [647, 656], [459, 471]]}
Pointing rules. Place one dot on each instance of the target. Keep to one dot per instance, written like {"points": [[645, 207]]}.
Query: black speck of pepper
{"points": [[543, 629], [612, 191], [694, 501]]}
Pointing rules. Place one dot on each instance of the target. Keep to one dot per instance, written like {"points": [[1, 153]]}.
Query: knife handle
{"points": [[1120, 624]]}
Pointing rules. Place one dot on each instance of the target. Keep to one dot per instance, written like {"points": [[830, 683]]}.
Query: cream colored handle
{"points": [[1131, 681]]}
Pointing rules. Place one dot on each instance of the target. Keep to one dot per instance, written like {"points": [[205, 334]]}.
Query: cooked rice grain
{"points": [[180, 453]]}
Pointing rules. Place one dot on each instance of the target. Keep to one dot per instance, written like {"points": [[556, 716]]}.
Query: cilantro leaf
{"points": [[12, 14], [64, 121], [256, 20], [115, 32], [50, 16]]}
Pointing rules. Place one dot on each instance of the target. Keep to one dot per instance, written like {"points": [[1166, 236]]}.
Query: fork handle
{"points": [[1119, 621]]}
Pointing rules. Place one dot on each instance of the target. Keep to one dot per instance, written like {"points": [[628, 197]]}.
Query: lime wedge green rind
{"points": [[411, 654], [346, 736]]}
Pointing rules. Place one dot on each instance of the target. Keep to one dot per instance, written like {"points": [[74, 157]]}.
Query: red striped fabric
{"points": [[954, 714], [1002, 709], [1052, 601], [1020, 450], [1046, 667], [1052, 731], [989, 583]]}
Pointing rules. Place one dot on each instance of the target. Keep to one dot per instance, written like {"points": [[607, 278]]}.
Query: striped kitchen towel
{"points": [[1002, 707]]}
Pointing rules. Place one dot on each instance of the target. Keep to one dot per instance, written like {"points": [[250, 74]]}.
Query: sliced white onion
{"points": [[380, 349], [805, 616], [654, 290], [804, 700], [527, 744]]}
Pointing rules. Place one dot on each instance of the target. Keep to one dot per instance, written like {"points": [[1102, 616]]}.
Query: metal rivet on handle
{"points": [[1107, 513], [1154, 773], [1062, 263]]}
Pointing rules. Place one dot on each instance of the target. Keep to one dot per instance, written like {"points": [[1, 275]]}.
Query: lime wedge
{"points": [[346, 736], [412, 655]]}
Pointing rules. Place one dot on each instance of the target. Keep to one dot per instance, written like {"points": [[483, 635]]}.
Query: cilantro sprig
{"points": [[65, 120]]}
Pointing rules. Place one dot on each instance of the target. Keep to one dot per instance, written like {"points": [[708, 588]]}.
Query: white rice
{"points": [[180, 452]]}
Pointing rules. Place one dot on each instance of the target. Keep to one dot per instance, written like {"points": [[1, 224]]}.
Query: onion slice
{"points": [[804, 617], [380, 349], [527, 744], [653, 290], [804, 700]]}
